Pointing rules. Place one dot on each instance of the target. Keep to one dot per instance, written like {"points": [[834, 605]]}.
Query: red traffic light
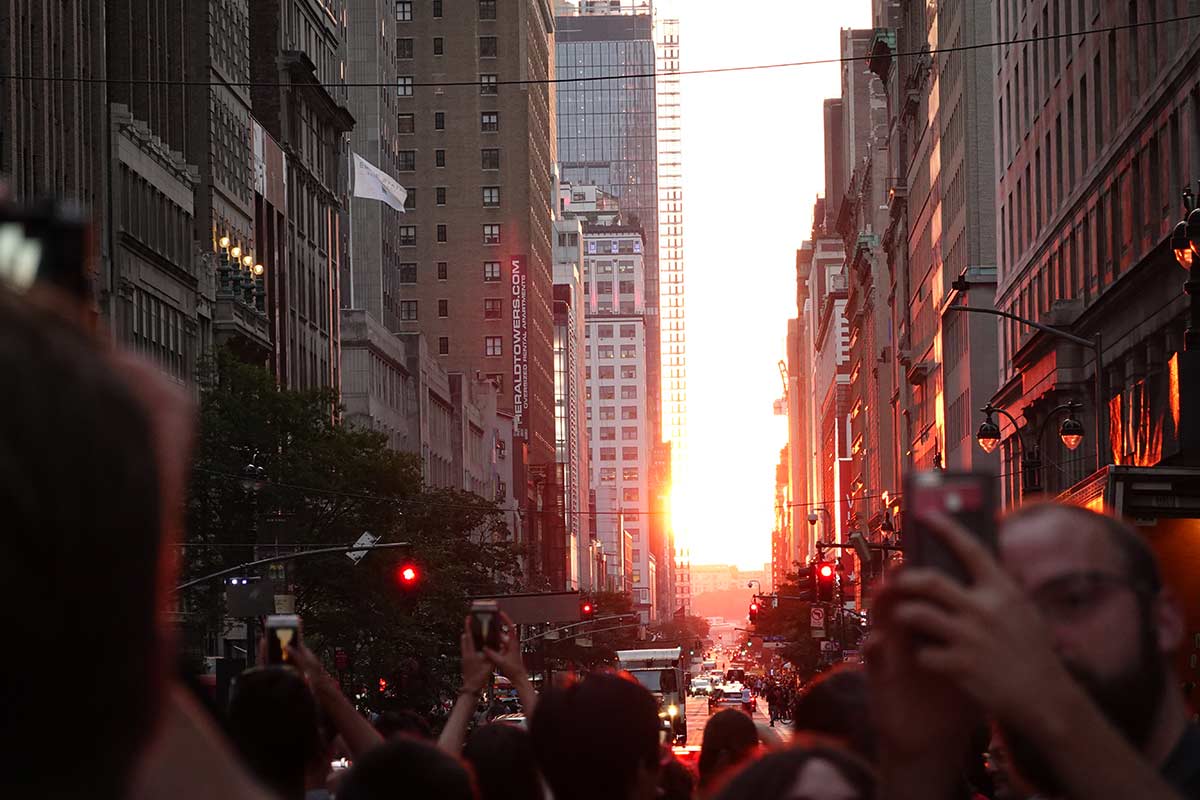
{"points": [[826, 571], [586, 610], [408, 575], [754, 607]]}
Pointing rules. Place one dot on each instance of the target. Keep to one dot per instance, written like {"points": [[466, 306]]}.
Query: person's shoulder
{"points": [[1182, 768]]}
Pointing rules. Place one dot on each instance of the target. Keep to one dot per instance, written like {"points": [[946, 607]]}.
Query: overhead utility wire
{"points": [[466, 507], [622, 76]]}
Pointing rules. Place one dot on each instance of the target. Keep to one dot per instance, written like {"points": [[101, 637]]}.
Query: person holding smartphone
{"points": [[1062, 640]]}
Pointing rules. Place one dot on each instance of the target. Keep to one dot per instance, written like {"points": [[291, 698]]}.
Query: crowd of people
{"points": [[1046, 675]]}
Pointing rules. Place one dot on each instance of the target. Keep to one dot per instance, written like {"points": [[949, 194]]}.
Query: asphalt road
{"points": [[697, 717]]}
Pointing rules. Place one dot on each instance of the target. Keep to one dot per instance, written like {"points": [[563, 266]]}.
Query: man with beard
{"points": [[1064, 643]]}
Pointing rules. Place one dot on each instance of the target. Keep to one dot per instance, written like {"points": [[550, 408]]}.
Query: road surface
{"points": [[697, 717]]}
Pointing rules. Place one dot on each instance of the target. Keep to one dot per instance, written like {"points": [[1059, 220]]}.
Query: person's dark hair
{"points": [[675, 781], [275, 727], [504, 763], [593, 737], [837, 704], [773, 776], [80, 556], [407, 767], [1140, 562], [407, 723], [729, 738]]}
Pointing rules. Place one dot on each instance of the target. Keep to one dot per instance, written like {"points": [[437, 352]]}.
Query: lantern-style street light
{"points": [[1070, 432]]}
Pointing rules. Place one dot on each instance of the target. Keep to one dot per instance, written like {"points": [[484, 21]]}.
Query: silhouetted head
{"points": [[837, 705], [811, 768], [403, 723], [598, 739], [80, 561], [730, 737], [504, 763], [407, 767], [275, 727]]}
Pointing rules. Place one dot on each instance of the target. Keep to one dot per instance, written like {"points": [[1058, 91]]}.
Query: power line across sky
{"points": [[614, 77]]}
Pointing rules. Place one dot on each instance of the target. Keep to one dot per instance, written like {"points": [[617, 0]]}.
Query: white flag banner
{"points": [[373, 183]]}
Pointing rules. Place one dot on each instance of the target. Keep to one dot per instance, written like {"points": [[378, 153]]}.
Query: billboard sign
{"points": [[520, 345]]}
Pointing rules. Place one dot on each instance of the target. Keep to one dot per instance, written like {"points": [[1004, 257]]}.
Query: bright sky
{"points": [[753, 164]]}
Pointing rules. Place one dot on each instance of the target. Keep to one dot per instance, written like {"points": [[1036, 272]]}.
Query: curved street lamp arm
{"points": [[1059, 332], [287, 557], [991, 409], [1070, 405]]}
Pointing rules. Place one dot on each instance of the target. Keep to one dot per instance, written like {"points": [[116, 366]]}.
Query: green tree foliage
{"points": [[322, 483]]}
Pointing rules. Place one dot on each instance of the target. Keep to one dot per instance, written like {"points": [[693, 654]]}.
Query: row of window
{"points": [[610, 413], [488, 84], [405, 47], [404, 9], [609, 475], [628, 372], [406, 123], [408, 234], [489, 159], [610, 454], [604, 267], [408, 271], [607, 350], [606, 287], [493, 308], [610, 392], [627, 434], [606, 332]]}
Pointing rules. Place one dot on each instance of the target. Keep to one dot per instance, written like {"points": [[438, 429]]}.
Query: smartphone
{"points": [[485, 624], [281, 630], [970, 498], [49, 243]]}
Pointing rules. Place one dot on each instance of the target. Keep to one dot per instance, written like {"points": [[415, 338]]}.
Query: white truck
{"points": [[661, 671]]}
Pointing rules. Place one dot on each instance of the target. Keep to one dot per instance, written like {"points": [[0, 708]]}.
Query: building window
{"points": [[404, 48], [604, 331], [605, 351], [629, 454], [407, 160], [441, 232], [408, 273], [406, 123], [440, 195], [404, 86], [608, 434], [404, 10], [408, 310], [487, 9], [608, 474], [628, 371], [437, 8], [489, 121], [493, 346], [491, 196], [626, 287], [608, 393], [608, 454], [443, 345], [439, 46], [629, 435], [408, 235], [487, 46], [629, 351], [491, 234], [628, 331], [491, 271], [604, 287], [492, 308], [490, 158], [606, 372], [410, 200], [631, 495], [608, 412], [443, 308], [489, 84], [439, 120], [629, 392], [443, 270], [629, 412], [439, 158]]}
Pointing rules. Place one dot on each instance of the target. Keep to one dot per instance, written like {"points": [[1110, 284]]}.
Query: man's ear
{"points": [[1168, 620]]}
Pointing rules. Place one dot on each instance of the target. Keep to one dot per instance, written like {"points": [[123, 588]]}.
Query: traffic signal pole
{"points": [[321, 551]]}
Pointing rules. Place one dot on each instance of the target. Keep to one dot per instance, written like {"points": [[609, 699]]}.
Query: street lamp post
{"points": [[1102, 456], [812, 519], [1070, 431]]}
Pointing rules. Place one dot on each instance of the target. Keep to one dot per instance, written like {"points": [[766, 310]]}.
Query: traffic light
{"points": [[587, 611], [753, 612], [826, 581], [408, 575]]}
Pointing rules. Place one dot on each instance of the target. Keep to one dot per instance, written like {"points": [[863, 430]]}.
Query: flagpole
{"points": [[350, 222]]}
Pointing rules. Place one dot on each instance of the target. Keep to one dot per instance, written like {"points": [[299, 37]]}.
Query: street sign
{"points": [[366, 540], [816, 617], [828, 646], [550, 635]]}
